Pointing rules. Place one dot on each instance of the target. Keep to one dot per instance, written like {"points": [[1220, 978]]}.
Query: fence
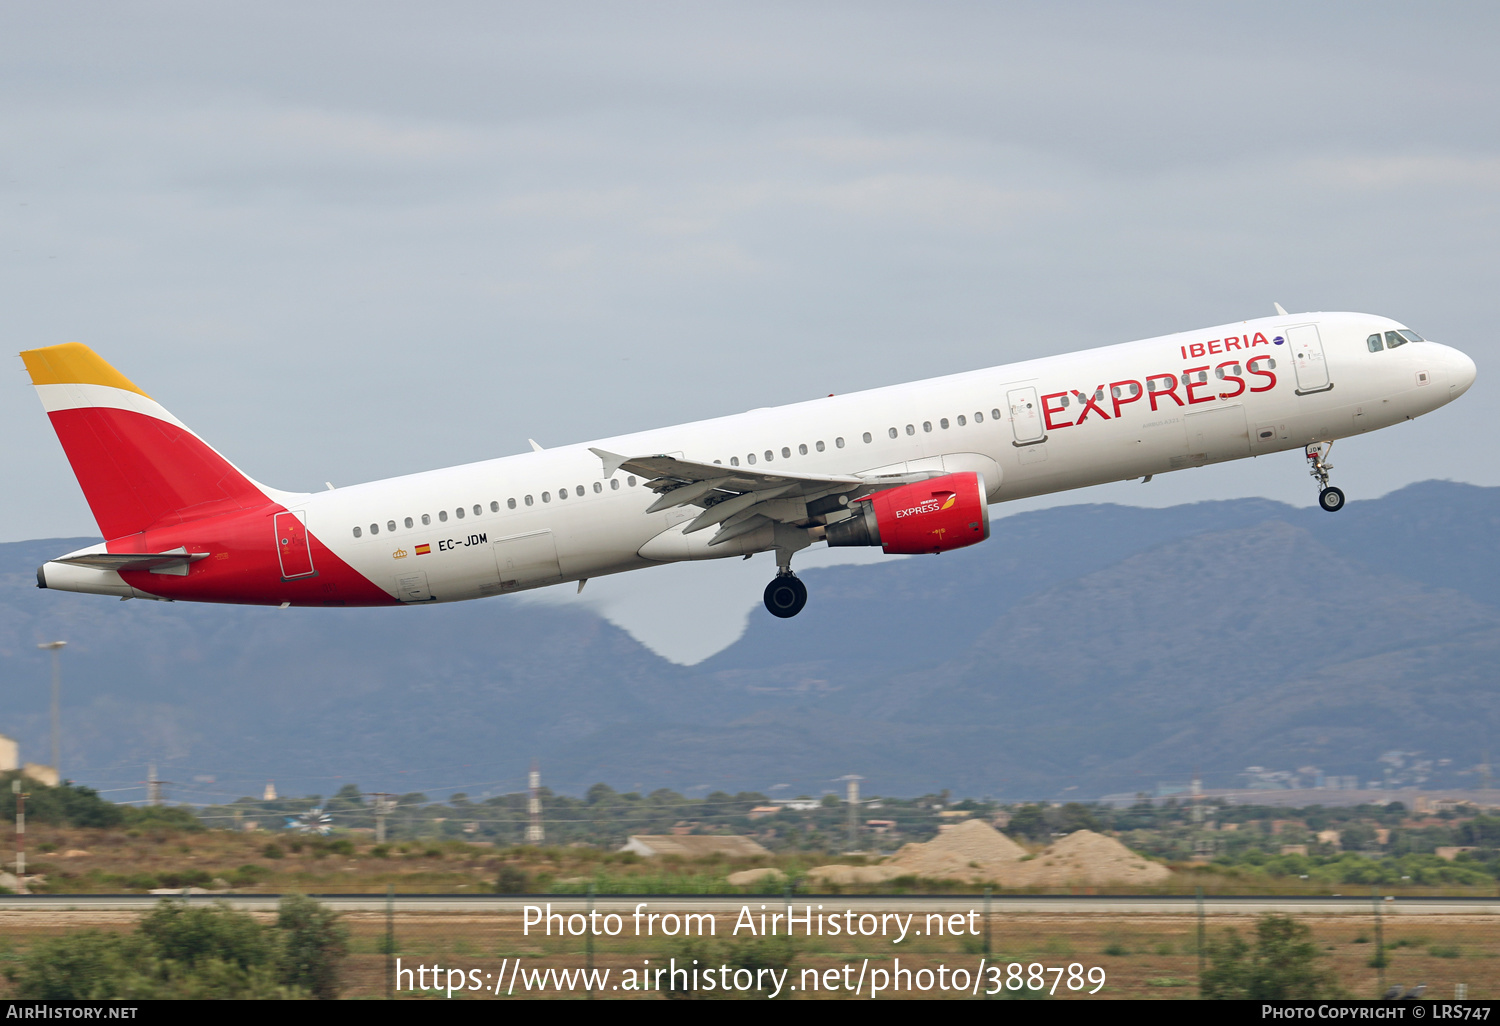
{"points": [[852, 946]]}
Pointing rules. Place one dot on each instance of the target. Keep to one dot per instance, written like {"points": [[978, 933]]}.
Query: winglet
{"points": [[1279, 310], [612, 461], [534, 446]]}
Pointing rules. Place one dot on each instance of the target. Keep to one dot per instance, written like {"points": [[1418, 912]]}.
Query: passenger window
{"points": [[911, 429], [750, 459], [893, 433], [927, 426], [578, 491], [390, 525], [786, 453], [614, 484], [770, 455], [426, 519], [479, 510], [979, 417], [802, 449], [838, 442], [995, 413], [1374, 343], [408, 522], [510, 503], [528, 501], [734, 461], [1392, 340], [374, 528], [820, 446], [961, 420], [459, 512], [598, 488], [943, 423], [630, 481], [357, 532], [562, 493], [546, 496], [867, 438]]}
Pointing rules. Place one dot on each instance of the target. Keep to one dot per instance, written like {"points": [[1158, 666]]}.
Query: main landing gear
{"points": [[786, 595], [1330, 498]]}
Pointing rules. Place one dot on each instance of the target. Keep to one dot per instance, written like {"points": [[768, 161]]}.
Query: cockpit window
{"points": [[1394, 339], [1411, 336], [1374, 343]]}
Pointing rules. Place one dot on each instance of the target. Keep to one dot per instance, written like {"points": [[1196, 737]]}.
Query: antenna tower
{"points": [[851, 797], [534, 834]]}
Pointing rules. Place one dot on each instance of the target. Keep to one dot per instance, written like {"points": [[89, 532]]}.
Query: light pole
{"points": [[54, 646]]}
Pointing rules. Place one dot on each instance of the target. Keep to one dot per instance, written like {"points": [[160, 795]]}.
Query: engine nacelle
{"points": [[931, 516]]}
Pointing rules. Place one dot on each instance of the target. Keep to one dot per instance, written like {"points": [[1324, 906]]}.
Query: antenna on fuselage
{"points": [[1279, 310]]}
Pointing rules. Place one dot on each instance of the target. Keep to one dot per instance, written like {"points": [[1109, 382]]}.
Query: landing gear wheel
{"points": [[1331, 499], [785, 596]]}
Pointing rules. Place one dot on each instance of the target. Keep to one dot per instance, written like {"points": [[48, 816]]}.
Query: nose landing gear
{"points": [[1330, 498], [786, 595]]}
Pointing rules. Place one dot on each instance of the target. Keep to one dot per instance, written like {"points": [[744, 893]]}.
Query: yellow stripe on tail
{"points": [[73, 363]]}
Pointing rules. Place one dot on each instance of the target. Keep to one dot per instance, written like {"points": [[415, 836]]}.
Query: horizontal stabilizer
{"points": [[175, 562]]}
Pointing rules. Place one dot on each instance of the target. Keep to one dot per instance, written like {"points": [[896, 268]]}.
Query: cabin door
{"points": [[291, 546], [1308, 359]]}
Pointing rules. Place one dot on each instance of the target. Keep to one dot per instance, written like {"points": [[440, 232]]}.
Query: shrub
{"points": [[314, 943], [272, 851], [511, 879], [1283, 964], [199, 952]]}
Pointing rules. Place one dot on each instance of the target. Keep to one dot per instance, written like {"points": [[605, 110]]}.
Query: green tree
{"points": [[1282, 965], [313, 945], [1029, 821]]}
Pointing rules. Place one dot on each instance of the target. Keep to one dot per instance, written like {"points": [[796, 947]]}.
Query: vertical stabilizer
{"points": [[138, 465]]}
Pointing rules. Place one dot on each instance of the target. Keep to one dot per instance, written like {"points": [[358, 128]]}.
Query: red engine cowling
{"points": [[931, 516]]}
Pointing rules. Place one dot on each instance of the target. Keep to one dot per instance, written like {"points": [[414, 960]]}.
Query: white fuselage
{"points": [[1090, 420]]}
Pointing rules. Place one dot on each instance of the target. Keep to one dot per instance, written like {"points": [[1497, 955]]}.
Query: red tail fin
{"points": [[138, 465]]}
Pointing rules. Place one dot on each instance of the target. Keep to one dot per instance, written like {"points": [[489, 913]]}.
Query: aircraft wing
{"points": [[741, 499]]}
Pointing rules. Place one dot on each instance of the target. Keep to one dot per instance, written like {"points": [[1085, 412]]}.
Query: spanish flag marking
{"points": [[423, 550]]}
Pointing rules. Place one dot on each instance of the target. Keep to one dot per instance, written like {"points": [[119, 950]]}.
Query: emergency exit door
{"points": [[1025, 416]]}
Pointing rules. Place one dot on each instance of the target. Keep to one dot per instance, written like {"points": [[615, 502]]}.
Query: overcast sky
{"points": [[346, 241]]}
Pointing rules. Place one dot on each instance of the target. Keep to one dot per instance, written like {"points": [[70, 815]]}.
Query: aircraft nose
{"points": [[1461, 374]]}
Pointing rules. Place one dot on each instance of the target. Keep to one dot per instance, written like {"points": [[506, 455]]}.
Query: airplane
{"points": [[911, 468]]}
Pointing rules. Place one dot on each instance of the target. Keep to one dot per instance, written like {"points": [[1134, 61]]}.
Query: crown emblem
{"points": [[399, 554]]}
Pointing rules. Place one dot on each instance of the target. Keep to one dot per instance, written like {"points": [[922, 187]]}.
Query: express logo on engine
{"points": [[936, 504]]}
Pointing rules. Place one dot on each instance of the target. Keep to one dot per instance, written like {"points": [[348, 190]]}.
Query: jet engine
{"points": [[936, 515]]}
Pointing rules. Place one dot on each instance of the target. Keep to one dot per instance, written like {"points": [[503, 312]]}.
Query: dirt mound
{"points": [[1086, 858], [855, 874], [974, 852], [971, 850], [751, 877]]}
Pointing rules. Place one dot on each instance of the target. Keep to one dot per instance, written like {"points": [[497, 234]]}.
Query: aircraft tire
{"points": [[1331, 499], [785, 596]]}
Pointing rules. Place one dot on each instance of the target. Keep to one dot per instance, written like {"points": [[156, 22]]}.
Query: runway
{"points": [[1341, 905]]}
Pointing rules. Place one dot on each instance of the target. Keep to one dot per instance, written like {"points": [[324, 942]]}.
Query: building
{"points": [[693, 846], [10, 754], [41, 774]]}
